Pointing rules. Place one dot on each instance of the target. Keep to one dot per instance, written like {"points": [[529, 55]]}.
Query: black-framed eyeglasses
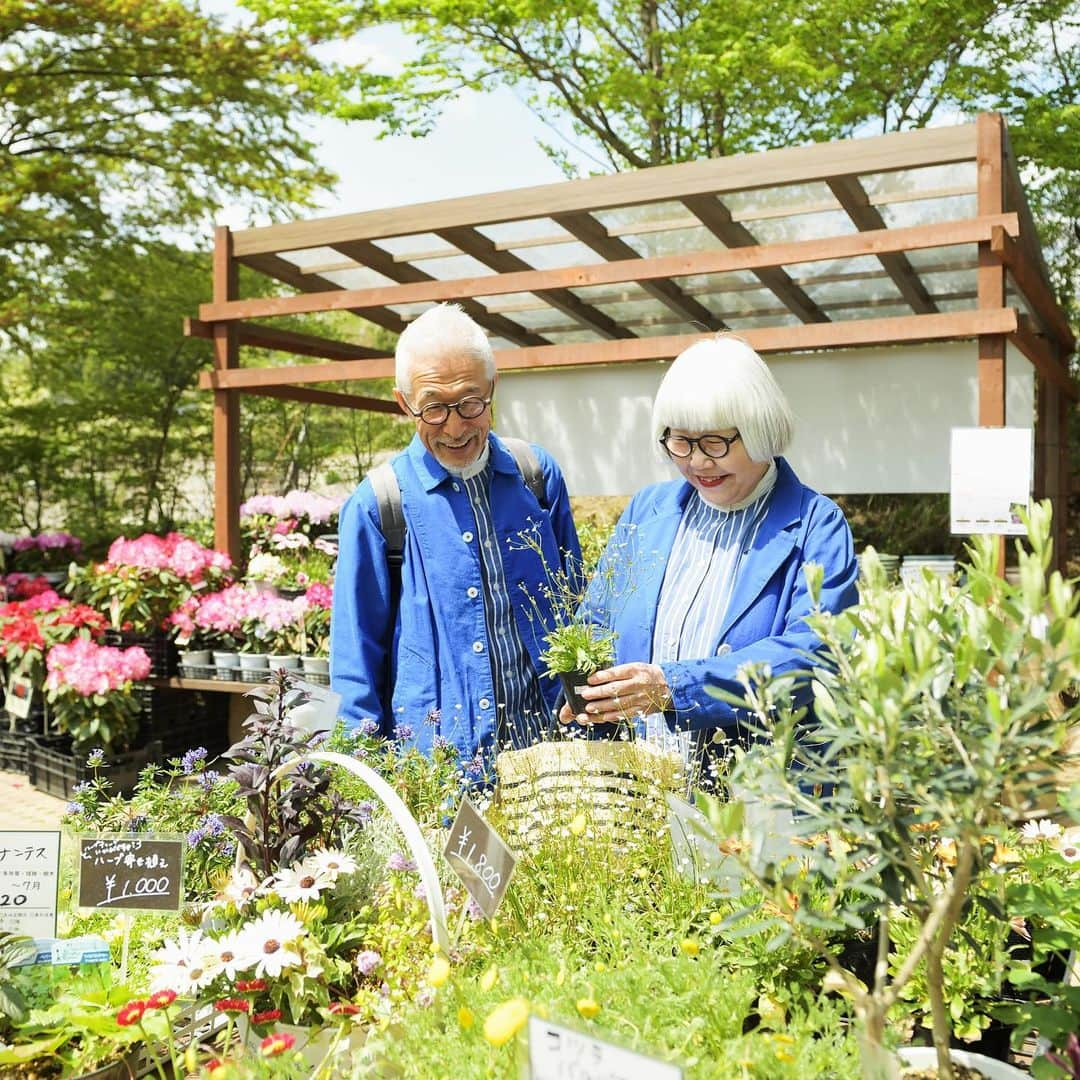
{"points": [[438, 412], [682, 446]]}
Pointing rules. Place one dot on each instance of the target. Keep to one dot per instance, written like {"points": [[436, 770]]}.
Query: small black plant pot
{"points": [[570, 681]]}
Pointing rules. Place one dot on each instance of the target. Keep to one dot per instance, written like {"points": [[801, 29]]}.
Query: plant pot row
{"points": [[250, 667]]}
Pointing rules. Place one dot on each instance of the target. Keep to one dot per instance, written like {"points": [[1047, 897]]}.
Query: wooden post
{"points": [[990, 195], [226, 406]]}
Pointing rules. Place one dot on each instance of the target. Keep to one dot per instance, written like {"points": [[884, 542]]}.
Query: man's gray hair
{"points": [[719, 384], [441, 330]]}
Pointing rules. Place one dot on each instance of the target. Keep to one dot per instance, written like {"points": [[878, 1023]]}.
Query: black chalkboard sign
{"points": [[131, 872]]}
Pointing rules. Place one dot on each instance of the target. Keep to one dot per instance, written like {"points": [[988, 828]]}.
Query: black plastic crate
{"points": [[164, 657], [183, 719], [53, 769], [13, 749]]}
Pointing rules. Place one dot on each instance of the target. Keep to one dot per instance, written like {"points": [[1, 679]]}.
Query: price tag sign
{"points": [[29, 882], [133, 872], [480, 858], [561, 1053], [19, 696], [990, 480]]}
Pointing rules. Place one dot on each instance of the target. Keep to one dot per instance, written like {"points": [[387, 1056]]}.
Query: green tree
{"points": [[118, 116]]}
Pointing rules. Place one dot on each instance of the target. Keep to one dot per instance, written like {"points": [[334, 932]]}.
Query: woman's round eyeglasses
{"points": [[682, 446], [438, 412]]}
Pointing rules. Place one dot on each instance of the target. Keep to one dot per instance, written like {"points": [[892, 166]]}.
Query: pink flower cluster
{"points": [[183, 556], [316, 509], [319, 595], [238, 607], [88, 669], [53, 541]]}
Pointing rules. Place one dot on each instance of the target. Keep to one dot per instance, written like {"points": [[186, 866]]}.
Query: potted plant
{"points": [[573, 651], [315, 659], [48, 554], [937, 725], [273, 628], [143, 581]]}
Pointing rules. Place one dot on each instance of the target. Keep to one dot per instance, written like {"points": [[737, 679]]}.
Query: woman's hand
{"points": [[621, 693]]}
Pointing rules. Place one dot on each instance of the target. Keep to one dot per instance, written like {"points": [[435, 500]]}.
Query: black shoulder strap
{"points": [[528, 466]]}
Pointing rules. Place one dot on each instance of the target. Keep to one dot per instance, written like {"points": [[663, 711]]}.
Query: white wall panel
{"points": [[867, 420]]}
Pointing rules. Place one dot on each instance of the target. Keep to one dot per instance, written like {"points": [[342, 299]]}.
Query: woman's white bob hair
{"points": [[440, 331], [720, 384]]}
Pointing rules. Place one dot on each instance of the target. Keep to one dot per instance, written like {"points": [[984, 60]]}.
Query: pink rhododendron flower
{"points": [[319, 595], [87, 668]]}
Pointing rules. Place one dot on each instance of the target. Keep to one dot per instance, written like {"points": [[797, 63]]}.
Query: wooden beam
{"points": [[991, 273], [382, 262], [271, 337], [592, 233], [831, 335], [738, 172], [226, 421], [326, 397], [1043, 357], [484, 250], [944, 234], [867, 218], [290, 274], [1030, 282], [716, 217]]}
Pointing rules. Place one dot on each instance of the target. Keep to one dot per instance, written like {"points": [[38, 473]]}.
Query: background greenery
{"points": [[127, 124]]}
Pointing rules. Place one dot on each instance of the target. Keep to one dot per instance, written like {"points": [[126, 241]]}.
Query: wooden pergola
{"points": [[912, 237]]}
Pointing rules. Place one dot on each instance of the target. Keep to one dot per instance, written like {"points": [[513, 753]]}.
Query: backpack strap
{"points": [[529, 467]]}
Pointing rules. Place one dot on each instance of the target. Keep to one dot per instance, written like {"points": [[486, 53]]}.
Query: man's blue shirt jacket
{"points": [[765, 617], [438, 639]]}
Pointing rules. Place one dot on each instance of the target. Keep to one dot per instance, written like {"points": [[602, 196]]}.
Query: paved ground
{"points": [[21, 807]]}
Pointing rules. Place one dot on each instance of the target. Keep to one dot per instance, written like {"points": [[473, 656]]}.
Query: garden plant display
{"points": [[306, 930]]}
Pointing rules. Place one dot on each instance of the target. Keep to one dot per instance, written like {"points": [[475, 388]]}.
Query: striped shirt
{"points": [[697, 588], [521, 712]]}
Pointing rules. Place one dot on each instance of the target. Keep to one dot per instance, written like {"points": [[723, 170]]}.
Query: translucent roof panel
{"points": [[539, 317], [928, 211], [572, 337], [506, 233], [404, 248], [672, 241], [732, 281], [663, 329], [360, 278], [766, 202], [879, 186], [930, 259], [867, 310], [632, 312], [780, 230], [458, 266], [949, 282], [753, 322], [747, 302], [624, 218], [512, 302], [555, 256], [611, 294], [827, 294]]}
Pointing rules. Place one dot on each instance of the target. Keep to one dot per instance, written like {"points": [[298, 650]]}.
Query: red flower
{"points": [[131, 1013], [237, 1005], [161, 1000], [277, 1043], [267, 1017], [250, 985], [344, 1008]]}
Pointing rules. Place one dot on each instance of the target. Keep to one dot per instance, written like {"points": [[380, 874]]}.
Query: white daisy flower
{"points": [[1043, 829], [332, 863], [1069, 844], [242, 887], [269, 943], [226, 955], [302, 882], [180, 964]]}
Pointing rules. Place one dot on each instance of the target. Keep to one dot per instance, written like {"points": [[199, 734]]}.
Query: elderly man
{"points": [[440, 640]]}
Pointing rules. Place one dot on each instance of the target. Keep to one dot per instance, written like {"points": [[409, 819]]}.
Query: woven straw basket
{"points": [[620, 786]]}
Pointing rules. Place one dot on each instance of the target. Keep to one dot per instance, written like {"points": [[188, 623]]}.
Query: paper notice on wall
{"points": [[990, 480]]}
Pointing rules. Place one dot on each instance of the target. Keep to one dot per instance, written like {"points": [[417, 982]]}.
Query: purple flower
{"points": [[365, 810], [425, 997], [369, 727], [95, 759], [196, 837], [441, 742], [397, 861], [419, 891], [368, 961], [433, 717], [192, 758], [474, 911], [403, 732], [208, 779]]}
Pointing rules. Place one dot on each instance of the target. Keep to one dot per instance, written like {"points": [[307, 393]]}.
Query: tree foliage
{"points": [[119, 116]]}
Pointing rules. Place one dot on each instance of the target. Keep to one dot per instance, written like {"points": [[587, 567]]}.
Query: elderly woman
{"points": [[705, 572]]}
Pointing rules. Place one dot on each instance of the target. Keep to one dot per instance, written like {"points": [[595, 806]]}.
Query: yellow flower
{"points": [[715, 918], [489, 978], [690, 947], [577, 826], [439, 971], [600, 967], [588, 1007], [506, 1021], [465, 1017]]}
